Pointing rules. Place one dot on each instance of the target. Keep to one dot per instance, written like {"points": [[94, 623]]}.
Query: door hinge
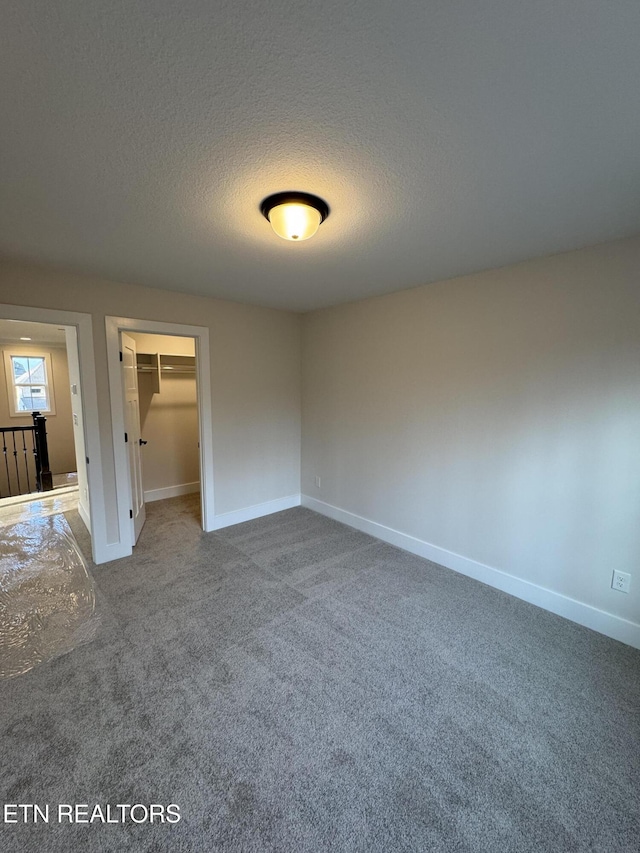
{"points": [[87, 458], [130, 513], [120, 355], [126, 438]]}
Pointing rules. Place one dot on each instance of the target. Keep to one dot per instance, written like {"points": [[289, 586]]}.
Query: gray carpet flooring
{"points": [[295, 685]]}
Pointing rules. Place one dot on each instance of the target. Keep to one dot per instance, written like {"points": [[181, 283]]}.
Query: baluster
{"points": [[6, 461], [26, 461], [15, 462], [34, 450]]}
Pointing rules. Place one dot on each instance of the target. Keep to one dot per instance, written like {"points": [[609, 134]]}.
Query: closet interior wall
{"points": [[168, 415]]}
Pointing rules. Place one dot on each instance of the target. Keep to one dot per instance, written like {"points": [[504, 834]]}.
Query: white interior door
{"points": [[132, 432]]}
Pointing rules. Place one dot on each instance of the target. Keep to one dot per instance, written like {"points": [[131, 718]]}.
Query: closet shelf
{"points": [[165, 364], [178, 363], [169, 368]]}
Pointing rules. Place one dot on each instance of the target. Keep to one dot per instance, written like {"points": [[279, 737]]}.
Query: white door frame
{"points": [[114, 325], [84, 330]]}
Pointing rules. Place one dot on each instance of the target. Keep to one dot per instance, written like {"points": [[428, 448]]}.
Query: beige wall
{"points": [[168, 420], [496, 416], [62, 457], [255, 367]]}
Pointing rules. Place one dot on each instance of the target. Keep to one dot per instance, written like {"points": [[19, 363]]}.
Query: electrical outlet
{"points": [[317, 482], [621, 581]]}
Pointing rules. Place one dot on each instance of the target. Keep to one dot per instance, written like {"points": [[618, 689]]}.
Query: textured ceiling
{"points": [[448, 136]]}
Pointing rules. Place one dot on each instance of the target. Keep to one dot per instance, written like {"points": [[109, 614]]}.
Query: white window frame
{"points": [[15, 352]]}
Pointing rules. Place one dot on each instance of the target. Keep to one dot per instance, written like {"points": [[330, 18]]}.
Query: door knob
{"points": [[142, 442]]}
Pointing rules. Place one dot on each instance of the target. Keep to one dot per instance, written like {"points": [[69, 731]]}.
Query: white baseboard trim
{"points": [[84, 515], [227, 519], [170, 492], [576, 611]]}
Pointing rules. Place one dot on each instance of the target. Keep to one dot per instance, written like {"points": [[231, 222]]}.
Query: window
{"points": [[29, 383]]}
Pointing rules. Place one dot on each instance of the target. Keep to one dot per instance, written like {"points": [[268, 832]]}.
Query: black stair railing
{"points": [[25, 459]]}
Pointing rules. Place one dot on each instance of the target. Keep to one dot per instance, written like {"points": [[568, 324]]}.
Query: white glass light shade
{"points": [[294, 220]]}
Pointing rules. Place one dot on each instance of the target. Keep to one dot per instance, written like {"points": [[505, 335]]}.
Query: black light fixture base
{"points": [[271, 201]]}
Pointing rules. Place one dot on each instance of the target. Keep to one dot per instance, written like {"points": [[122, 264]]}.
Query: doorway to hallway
{"points": [[41, 414]]}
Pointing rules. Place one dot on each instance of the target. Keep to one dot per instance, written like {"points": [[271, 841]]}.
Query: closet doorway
{"points": [[161, 409], [161, 419]]}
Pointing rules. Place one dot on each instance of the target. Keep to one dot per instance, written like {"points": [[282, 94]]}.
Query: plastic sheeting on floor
{"points": [[47, 598]]}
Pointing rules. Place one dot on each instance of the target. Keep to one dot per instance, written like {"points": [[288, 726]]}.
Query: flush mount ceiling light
{"points": [[293, 215]]}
